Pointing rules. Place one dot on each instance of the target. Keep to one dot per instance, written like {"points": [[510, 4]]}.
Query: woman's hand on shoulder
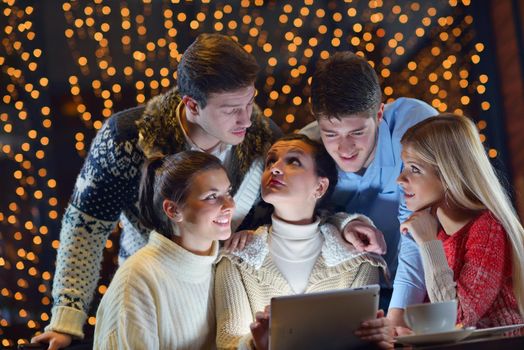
{"points": [[238, 240]]}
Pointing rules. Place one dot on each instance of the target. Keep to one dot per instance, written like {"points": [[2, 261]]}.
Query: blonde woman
{"points": [[296, 253], [471, 242]]}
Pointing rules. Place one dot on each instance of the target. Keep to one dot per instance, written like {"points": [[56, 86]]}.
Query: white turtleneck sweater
{"points": [[160, 298], [294, 250]]}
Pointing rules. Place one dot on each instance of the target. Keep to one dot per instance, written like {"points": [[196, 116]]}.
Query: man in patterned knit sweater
{"points": [[211, 110]]}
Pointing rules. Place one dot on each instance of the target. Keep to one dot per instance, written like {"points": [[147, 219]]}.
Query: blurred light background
{"points": [[66, 66]]}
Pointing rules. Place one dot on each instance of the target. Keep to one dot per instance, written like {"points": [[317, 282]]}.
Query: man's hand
{"points": [[364, 237], [260, 329], [238, 240], [55, 340]]}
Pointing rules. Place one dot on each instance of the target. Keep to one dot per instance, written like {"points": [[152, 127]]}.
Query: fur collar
{"points": [[335, 250]]}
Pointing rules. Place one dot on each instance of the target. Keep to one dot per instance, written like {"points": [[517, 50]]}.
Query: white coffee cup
{"points": [[431, 317]]}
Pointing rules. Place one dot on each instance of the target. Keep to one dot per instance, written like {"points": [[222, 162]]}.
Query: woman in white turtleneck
{"points": [[296, 253], [162, 296]]}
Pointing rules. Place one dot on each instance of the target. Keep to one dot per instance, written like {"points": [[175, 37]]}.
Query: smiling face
{"points": [[351, 140], [420, 182], [206, 214], [225, 118], [290, 182]]}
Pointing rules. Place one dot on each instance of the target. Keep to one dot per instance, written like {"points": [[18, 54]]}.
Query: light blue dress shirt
{"points": [[377, 195]]}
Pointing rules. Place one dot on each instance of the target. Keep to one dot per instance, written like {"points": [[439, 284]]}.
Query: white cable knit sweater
{"points": [[160, 298]]}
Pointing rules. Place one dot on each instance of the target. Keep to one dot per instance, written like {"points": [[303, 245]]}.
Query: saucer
{"points": [[436, 338], [488, 332]]}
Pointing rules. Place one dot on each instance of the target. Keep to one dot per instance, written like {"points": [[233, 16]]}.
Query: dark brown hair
{"points": [[345, 84], [169, 177], [214, 63]]}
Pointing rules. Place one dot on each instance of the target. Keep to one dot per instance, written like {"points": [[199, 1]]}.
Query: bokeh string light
{"points": [[28, 206], [124, 52]]}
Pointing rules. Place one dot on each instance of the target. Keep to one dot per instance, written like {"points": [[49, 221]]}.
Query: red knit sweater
{"points": [[480, 256]]}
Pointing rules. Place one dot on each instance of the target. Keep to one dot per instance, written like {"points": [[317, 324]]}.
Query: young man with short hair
{"points": [[212, 110], [363, 136]]}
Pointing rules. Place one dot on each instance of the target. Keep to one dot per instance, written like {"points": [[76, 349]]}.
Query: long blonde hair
{"points": [[451, 144]]}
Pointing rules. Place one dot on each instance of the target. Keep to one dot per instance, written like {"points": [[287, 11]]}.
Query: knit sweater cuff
{"points": [[67, 320], [341, 219]]}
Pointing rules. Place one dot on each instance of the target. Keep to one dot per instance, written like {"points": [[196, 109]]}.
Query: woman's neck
{"points": [[304, 217], [195, 246], [453, 218]]}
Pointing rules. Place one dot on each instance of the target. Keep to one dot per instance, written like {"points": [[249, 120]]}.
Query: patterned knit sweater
{"points": [[107, 191], [160, 298], [473, 266], [246, 280]]}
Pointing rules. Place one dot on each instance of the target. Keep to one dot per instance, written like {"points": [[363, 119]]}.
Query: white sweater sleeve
{"points": [[233, 310], [439, 277], [126, 317], [341, 219]]}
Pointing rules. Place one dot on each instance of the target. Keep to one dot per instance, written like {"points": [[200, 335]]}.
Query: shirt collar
{"points": [[384, 154]]}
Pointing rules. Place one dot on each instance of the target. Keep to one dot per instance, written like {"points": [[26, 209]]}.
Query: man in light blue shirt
{"points": [[363, 137]]}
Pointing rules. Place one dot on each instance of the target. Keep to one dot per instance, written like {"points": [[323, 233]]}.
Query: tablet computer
{"points": [[324, 320]]}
